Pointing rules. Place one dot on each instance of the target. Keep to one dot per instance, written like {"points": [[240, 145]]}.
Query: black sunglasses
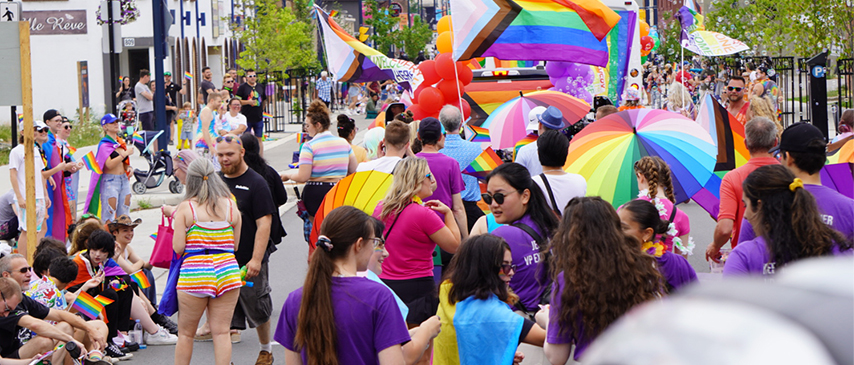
{"points": [[40, 130], [506, 268], [24, 270], [229, 139], [499, 197], [252, 76], [69, 127]]}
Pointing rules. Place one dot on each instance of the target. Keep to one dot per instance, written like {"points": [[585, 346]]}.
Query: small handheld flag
{"points": [[268, 115], [91, 164], [87, 305], [154, 236], [188, 75], [487, 161], [136, 138], [333, 13], [71, 149], [300, 138], [103, 300], [479, 134], [140, 278]]}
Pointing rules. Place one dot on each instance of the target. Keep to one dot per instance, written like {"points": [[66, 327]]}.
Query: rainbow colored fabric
{"points": [[89, 160], [87, 305], [477, 134], [140, 278], [136, 138], [528, 139], [353, 61], [105, 147], [697, 39], [550, 30], [487, 161]]}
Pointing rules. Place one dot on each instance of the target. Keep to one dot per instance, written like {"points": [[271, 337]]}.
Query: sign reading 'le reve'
{"points": [[56, 21]]}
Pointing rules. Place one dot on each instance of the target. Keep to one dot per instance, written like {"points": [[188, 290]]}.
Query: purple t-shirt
{"points": [[449, 179], [531, 278], [676, 269], [837, 211], [553, 332], [367, 320], [752, 257]]}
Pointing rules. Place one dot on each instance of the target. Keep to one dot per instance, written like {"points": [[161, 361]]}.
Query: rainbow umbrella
{"points": [[362, 190], [606, 150], [507, 123]]}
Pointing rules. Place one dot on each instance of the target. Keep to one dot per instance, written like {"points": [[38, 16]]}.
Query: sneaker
{"points": [[129, 346], [165, 322], [114, 352], [264, 358], [161, 337]]}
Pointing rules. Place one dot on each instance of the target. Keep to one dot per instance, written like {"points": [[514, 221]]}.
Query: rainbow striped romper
{"points": [[209, 269]]}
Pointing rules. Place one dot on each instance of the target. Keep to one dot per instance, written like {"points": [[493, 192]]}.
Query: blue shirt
{"points": [[324, 89], [464, 152]]}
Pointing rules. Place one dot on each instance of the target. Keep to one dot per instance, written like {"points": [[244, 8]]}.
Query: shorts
{"points": [[254, 306], [419, 295], [114, 186], [257, 128], [186, 135], [209, 275], [313, 194], [146, 120], [41, 214]]}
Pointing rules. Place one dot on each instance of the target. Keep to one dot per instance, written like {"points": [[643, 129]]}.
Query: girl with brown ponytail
{"points": [[656, 186], [787, 223], [337, 314]]}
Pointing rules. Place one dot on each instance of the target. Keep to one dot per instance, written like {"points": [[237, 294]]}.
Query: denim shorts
{"points": [[114, 186]]}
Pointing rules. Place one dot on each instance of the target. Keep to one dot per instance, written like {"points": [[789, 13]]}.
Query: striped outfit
{"points": [[329, 156], [209, 268]]}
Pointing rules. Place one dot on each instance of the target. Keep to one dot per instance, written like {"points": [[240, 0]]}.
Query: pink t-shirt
{"points": [[680, 221], [410, 249]]}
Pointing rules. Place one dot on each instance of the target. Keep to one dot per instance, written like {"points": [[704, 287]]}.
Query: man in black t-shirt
{"points": [[255, 202], [206, 86], [252, 96]]}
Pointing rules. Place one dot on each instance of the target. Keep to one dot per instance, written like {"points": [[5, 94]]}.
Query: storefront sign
{"points": [[56, 21]]}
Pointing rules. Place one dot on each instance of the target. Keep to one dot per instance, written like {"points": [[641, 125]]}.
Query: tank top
{"points": [[215, 235], [200, 143]]}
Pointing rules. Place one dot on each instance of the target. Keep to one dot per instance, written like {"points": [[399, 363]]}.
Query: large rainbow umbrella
{"points": [[606, 150], [507, 123]]}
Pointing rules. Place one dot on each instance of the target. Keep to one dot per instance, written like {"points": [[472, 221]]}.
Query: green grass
{"points": [[86, 132], [806, 99], [144, 204]]}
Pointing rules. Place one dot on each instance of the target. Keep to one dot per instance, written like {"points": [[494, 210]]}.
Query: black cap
{"points": [[49, 114], [797, 137], [430, 129]]}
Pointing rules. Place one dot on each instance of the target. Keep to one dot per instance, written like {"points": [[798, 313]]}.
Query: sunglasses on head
{"points": [[89, 215], [498, 197], [229, 139], [733, 88]]}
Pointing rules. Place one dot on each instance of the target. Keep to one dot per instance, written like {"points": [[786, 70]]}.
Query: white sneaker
{"points": [[161, 337]]}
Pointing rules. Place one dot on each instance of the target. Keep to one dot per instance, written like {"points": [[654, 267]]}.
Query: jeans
{"points": [[118, 187]]}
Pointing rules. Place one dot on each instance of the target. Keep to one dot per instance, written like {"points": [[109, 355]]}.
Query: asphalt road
{"points": [[288, 266]]}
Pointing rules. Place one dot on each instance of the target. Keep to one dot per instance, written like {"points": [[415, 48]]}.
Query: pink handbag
{"points": [[161, 256]]}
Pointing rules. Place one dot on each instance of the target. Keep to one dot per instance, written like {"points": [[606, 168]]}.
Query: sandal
{"points": [[203, 337]]}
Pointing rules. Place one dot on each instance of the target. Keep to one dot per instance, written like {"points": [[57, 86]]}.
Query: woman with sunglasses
{"points": [[413, 230], [235, 120], [478, 325], [337, 316], [599, 275], [17, 167], [113, 186], [516, 200], [323, 160]]}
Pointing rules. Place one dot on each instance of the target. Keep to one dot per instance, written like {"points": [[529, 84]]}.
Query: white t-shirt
{"points": [[530, 158], [385, 164], [16, 161], [235, 122], [564, 187]]}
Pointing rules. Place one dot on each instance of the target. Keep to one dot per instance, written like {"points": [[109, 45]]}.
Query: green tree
{"points": [[383, 25], [670, 35], [413, 39], [273, 38]]}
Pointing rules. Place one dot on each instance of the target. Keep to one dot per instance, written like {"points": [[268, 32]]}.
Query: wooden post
{"points": [[29, 157]]}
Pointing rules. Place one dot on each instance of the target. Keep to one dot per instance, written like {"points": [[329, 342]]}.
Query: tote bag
{"points": [[161, 256]]}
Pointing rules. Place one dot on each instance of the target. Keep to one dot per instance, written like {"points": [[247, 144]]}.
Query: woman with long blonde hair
{"points": [[679, 101], [412, 232], [761, 107]]}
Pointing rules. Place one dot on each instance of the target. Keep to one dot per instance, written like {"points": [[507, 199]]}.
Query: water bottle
{"points": [[136, 333]]}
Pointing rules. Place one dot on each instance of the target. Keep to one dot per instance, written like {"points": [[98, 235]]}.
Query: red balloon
{"points": [[464, 73], [449, 90], [417, 112], [431, 99], [445, 66], [466, 108], [647, 43], [418, 91], [428, 70]]}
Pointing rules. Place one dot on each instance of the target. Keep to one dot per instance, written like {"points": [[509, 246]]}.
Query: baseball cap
{"points": [[50, 114], [430, 129], [36, 124], [797, 137], [108, 118], [167, 73], [534, 118]]}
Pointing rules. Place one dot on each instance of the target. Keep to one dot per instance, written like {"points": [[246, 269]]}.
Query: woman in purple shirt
{"points": [[640, 218], [338, 317], [786, 221], [601, 276], [516, 200]]}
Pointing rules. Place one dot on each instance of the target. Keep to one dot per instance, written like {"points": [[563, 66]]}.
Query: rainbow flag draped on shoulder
{"points": [[93, 199], [353, 61], [697, 39], [550, 30]]}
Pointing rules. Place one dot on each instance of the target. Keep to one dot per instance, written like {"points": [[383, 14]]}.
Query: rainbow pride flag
{"points": [[104, 300], [90, 307], [20, 118], [528, 139], [91, 164], [487, 161], [140, 278], [71, 149], [153, 236], [188, 75], [477, 134], [268, 115], [136, 138], [353, 61], [536, 30]]}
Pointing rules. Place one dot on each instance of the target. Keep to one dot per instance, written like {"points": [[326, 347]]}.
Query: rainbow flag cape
{"points": [[136, 138], [59, 213], [528, 139], [91, 163], [538, 30], [353, 61], [188, 75], [89, 306], [140, 278], [93, 199], [487, 161], [477, 134], [697, 39]]}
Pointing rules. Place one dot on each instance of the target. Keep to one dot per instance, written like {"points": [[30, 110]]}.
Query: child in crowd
{"points": [[185, 124]]}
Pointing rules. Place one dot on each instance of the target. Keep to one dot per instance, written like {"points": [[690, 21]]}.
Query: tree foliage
{"points": [[413, 39], [273, 38], [383, 25], [670, 34]]}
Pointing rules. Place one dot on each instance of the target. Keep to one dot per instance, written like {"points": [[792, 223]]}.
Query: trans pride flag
{"points": [[550, 30], [353, 61]]}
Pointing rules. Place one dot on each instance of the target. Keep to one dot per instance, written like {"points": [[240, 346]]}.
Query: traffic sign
{"points": [[10, 11]]}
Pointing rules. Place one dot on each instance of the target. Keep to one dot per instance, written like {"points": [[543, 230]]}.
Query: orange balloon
{"points": [[445, 42], [644, 29], [444, 25]]}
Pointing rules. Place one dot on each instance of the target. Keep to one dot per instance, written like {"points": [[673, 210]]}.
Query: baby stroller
{"points": [[128, 118], [159, 166]]}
